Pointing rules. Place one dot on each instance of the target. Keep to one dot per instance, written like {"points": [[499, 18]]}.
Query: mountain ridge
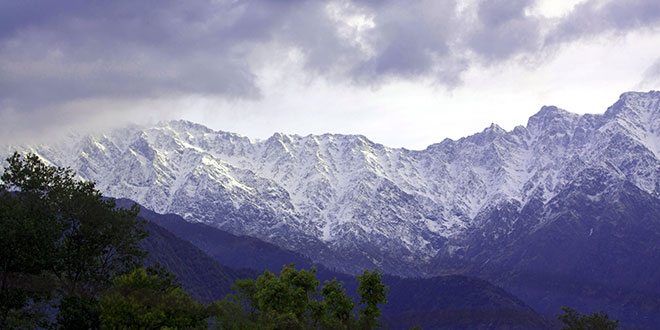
{"points": [[344, 194], [502, 205]]}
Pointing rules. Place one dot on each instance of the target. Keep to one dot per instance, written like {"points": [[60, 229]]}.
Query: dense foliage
{"points": [[293, 300], [150, 299], [574, 320], [61, 242], [372, 293]]}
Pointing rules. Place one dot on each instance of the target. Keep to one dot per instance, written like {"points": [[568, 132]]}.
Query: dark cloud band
{"points": [[53, 52]]}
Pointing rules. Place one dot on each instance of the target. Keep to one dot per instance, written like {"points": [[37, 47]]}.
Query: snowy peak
{"points": [[551, 121], [350, 195], [637, 112], [186, 126], [486, 136], [634, 105]]}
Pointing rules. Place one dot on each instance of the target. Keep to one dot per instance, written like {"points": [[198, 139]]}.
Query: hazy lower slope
{"points": [[446, 302], [201, 276], [228, 249]]}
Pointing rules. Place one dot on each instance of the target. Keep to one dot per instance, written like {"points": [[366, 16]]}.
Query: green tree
{"points": [[247, 294], [29, 234], [230, 314], [286, 298], [575, 320], [58, 238], [78, 313], [372, 292], [292, 300], [336, 307], [150, 299]]}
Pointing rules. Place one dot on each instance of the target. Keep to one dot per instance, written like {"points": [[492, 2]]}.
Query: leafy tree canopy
{"points": [[372, 292], [575, 320], [58, 238], [150, 299], [293, 300]]}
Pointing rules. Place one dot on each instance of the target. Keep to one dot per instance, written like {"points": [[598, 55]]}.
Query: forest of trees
{"points": [[70, 259]]}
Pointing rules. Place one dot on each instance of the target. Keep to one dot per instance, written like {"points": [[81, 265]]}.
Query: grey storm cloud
{"points": [[597, 17], [504, 30], [410, 39], [53, 52], [80, 49]]}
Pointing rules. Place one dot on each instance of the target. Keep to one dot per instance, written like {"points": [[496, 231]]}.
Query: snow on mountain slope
{"points": [[353, 198]]}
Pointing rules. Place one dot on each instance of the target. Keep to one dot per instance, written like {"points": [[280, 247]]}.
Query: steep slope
{"points": [[238, 252], [201, 276], [600, 251], [594, 246]]}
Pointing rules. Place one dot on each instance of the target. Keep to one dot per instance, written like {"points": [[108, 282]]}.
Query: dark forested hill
{"points": [[202, 276], [228, 249], [443, 302]]}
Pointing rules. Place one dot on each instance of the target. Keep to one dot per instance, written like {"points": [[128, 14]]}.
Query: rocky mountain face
{"points": [[567, 194], [597, 248], [346, 195]]}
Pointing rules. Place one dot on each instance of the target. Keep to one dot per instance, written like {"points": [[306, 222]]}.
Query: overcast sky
{"points": [[404, 73]]}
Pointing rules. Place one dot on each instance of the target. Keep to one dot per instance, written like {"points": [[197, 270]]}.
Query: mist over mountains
{"points": [[562, 210]]}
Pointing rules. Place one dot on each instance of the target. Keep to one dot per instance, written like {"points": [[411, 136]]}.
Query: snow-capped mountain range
{"points": [[340, 198]]}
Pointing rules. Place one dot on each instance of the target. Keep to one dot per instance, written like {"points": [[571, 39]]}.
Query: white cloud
{"points": [[554, 8], [404, 73], [583, 78]]}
